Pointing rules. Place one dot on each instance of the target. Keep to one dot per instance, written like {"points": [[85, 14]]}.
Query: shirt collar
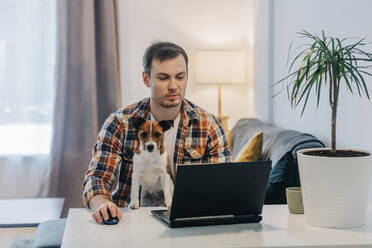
{"points": [[188, 112], [143, 109]]}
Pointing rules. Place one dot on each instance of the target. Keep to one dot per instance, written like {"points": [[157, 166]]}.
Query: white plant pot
{"points": [[334, 190]]}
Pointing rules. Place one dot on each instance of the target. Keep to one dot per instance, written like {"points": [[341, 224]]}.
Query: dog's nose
{"points": [[150, 147]]}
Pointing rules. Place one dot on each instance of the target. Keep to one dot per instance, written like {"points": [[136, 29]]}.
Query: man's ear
{"points": [[137, 122], [166, 124], [146, 79]]}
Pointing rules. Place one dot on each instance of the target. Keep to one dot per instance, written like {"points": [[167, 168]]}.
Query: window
{"points": [[27, 61]]}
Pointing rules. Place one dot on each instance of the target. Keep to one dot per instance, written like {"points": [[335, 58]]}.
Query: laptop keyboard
{"points": [[166, 214], [207, 217]]}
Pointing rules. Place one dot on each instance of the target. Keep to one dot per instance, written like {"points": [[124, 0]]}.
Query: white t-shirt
{"points": [[170, 138]]}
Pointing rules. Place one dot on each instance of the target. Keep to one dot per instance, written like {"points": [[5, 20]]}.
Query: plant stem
{"points": [[334, 114], [333, 108], [334, 117]]}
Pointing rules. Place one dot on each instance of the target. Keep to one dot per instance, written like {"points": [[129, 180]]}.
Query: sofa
{"points": [[278, 145]]}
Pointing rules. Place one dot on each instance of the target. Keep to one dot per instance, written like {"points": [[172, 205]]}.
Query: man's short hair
{"points": [[162, 51]]}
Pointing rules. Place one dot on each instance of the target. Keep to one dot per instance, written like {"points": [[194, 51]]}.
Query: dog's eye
{"points": [[143, 135], [157, 135]]}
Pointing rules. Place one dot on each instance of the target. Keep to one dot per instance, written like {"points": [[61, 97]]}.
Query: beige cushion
{"points": [[251, 151]]}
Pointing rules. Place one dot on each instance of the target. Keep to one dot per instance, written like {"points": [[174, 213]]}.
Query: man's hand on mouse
{"points": [[100, 204]]}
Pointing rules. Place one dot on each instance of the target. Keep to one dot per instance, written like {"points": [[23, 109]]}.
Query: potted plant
{"points": [[335, 182]]}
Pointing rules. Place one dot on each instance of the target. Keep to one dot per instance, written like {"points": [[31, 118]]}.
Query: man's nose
{"points": [[172, 84]]}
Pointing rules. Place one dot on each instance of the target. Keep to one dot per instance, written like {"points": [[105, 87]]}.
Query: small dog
{"points": [[152, 169]]}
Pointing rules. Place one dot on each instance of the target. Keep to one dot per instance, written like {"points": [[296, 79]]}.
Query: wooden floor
{"points": [[7, 234]]}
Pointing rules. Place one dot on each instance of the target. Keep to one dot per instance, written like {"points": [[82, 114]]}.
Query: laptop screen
{"points": [[232, 188]]}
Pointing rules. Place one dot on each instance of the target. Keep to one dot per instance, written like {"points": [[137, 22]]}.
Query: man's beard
{"points": [[170, 105]]}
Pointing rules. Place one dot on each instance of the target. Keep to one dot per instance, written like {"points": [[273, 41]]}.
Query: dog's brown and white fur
{"points": [[151, 165]]}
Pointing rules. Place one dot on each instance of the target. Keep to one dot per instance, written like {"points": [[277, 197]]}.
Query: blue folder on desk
{"points": [[215, 194]]}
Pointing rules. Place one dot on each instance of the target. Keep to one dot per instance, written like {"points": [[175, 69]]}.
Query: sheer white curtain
{"points": [[27, 86]]}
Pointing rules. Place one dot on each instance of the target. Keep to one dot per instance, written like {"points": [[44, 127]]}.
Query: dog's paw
{"points": [[134, 205], [168, 205]]}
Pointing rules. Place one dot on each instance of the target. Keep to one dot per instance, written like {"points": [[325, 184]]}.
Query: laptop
{"points": [[216, 194]]}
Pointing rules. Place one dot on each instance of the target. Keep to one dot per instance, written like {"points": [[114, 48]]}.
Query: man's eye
{"points": [[143, 135], [163, 78], [180, 78], [157, 135]]}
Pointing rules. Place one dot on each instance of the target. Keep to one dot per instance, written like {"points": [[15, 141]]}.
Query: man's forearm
{"points": [[97, 201]]}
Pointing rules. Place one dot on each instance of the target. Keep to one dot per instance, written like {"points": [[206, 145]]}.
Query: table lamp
{"points": [[220, 67]]}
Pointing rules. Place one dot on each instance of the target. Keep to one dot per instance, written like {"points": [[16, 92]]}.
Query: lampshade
{"points": [[220, 67]]}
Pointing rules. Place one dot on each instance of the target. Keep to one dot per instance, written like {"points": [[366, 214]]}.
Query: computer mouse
{"points": [[111, 220]]}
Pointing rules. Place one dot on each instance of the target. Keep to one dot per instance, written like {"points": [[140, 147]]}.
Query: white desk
{"points": [[29, 212], [277, 229]]}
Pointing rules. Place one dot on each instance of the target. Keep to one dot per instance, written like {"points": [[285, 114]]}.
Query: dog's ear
{"points": [[137, 122], [166, 124]]}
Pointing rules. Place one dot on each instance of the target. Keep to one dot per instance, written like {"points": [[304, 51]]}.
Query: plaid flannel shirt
{"points": [[200, 139]]}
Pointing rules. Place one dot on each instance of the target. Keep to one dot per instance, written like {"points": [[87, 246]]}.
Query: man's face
{"points": [[167, 81]]}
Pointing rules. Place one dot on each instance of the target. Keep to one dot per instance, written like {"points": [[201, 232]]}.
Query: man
{"points": [[197, 136]]}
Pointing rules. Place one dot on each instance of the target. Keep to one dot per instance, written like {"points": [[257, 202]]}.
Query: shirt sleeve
{"points": [[106, 158], [218, 149]]}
